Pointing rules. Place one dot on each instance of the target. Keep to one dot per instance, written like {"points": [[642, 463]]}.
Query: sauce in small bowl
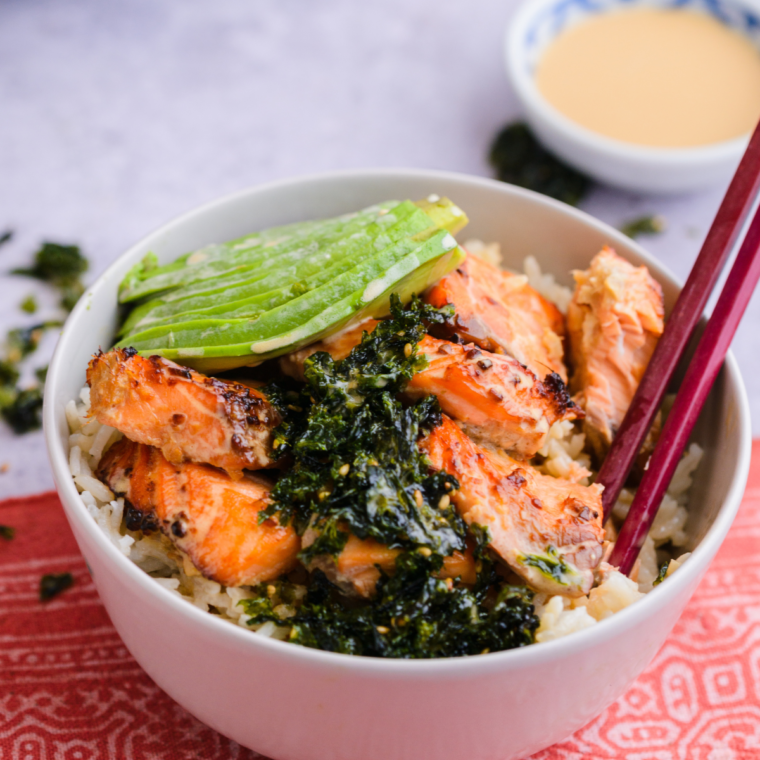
{"points": [[653, 97], [666, 78]]}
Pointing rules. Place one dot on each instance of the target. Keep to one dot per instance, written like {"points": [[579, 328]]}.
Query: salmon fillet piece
{"points": [[494, 396], [499, 312], [356, 570], [548, 530], [614, 321], [206, 514], [185, 414]]}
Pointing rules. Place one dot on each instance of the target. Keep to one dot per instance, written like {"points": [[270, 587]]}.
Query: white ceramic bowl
{"points": [[642, 169], [289, 702]]}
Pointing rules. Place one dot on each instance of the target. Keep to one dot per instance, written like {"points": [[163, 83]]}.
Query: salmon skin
{"points": [[614, 321], [548, 530], [500, 312], [496, 397], [357, 569], [185, 414], [206, 514]]}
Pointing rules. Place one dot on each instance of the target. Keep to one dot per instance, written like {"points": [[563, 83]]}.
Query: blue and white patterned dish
{"points": [[633, 167]]}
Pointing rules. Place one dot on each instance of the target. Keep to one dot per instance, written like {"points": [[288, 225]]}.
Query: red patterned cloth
{"points": [[69, 689]]}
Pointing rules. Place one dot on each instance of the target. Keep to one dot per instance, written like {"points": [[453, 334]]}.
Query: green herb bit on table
{"points": [[29, 304], [521, 160], [6, 237], [53, 584], [644, 225], [7, 532]]}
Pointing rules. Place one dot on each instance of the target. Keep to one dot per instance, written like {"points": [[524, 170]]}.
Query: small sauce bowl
{"points": [[621, 164]]}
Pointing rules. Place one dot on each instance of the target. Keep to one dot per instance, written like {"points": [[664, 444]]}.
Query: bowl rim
{"points": [[76, 511], [612, 148]]}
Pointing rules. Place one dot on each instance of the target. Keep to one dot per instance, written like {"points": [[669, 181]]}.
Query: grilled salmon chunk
{"points": [[548, 530], [185, 414], [206, 514], [356, 570], [494, 396], [499, 312], [614, 321]]}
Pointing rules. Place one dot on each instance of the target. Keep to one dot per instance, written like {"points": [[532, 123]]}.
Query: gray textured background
{"points": [[117, 116]]}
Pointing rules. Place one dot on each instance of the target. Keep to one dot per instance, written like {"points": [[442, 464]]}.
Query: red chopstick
{"points": [[700, 376], [718, 244]]}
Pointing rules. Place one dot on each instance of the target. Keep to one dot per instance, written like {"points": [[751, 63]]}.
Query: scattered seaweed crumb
{"points": [[53, 584], [22, 410], [62, 266], [520, 159], [7, 532], [645, 225], [6, 237]]}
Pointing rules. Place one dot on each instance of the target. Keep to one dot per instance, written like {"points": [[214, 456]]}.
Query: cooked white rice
{"points": [[564, 457]]}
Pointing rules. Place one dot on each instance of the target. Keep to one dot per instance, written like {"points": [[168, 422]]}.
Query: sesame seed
{"points": [[425, 551], [449, 583], [408, 350], [271, 590], [343, 471], [293, 633], [383, 629], [444, 502], [485, 651], [418, 497]]}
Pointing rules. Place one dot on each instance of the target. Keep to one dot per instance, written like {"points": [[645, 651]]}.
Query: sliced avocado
{"points": [[237, 308], [365, 289], [228, 258], [286, 282]]}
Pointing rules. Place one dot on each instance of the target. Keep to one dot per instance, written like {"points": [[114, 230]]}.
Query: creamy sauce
{"points": [[664, 78]]}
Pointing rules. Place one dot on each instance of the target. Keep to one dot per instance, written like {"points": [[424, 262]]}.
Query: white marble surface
{"points": [[115, 117]]}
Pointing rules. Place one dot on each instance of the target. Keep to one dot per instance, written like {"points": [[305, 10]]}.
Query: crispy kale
{"points": [[520, 159], [414, 615], [22, 409], [61, 266], [356, 469], [53, 584], [356, 465]]}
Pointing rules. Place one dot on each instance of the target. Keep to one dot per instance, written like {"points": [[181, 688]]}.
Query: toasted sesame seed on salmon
{"points": [[614, 320], [501, 313], [493, 396], [210, 517], [548, 530], [185, 414]]}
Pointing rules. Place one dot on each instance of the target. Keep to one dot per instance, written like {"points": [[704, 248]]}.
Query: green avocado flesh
{"points": [[265, 295]]}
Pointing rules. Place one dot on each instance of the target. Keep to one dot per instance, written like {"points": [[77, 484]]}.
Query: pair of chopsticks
{"points": [[703, 368]]}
